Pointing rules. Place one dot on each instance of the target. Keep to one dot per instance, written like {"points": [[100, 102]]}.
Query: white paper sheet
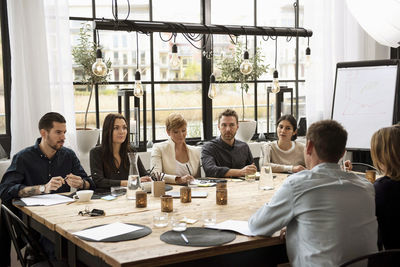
{"points": [[106, 231], [46, 200], [241, 227], [201, 183]]}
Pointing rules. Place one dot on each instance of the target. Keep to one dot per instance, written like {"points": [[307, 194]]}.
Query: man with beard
{"points": [[225, 156], [46, 167]]}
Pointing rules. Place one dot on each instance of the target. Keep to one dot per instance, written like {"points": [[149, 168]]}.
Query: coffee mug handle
{"points": [[75, 197]]}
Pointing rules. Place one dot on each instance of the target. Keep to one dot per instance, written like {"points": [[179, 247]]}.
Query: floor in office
{"points": [[14, 259]]}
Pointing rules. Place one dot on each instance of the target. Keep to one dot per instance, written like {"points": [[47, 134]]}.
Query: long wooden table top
{"points": [[244, 198]]}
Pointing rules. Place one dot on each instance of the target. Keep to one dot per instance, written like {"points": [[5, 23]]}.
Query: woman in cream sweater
{"points": [[285, 154], [179, 162]]}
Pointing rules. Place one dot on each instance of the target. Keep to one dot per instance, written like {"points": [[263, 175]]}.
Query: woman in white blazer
{"points": [[179, 161]]}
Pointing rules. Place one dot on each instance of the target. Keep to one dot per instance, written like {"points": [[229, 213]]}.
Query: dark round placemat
{"points": [[125, 237], [198, 237]]}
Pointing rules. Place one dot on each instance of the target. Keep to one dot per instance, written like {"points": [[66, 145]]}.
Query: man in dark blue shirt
{"points": [[46, 167], [226, 156]]}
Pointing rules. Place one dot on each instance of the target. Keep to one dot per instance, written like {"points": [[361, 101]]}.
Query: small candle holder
{"points": [[222, 196], [186, 194], [167, 204], [222, 184], [157, 188], [141, 199], [370, 175]]}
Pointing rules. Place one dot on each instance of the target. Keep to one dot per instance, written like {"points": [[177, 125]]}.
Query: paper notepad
{"points": [[241, 227], [46, 200], [107, 231]]}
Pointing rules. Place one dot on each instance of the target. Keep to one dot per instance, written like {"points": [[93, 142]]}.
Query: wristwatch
{"points": [[42, 188]]}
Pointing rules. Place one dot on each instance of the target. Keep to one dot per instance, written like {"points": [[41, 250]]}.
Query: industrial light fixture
{"points": [[275, 88], [308, 53], [138, 88], [246, 67], [99, 68], [212, 90], [175, 61]]}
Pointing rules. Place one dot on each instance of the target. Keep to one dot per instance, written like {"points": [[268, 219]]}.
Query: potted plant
{"points": [[230, 71], [84, 54]]}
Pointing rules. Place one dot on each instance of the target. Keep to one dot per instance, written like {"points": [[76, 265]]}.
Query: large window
{"points": [[181, 88]]}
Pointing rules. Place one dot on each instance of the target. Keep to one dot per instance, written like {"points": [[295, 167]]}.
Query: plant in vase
{"points": [[230, 68], [85, 55]]}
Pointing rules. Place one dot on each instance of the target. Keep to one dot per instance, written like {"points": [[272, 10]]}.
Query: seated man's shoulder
{"points": [[211, 143]]}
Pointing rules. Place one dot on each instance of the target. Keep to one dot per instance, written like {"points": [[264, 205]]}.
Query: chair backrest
{"points": [[20, 236], [387, 258]]}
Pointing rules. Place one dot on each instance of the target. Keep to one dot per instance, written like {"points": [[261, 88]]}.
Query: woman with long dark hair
{"points": [[109, 163], [285, 154]]}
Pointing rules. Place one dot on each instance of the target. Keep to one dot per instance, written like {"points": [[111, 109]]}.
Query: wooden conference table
{"points": [[58, 222]]}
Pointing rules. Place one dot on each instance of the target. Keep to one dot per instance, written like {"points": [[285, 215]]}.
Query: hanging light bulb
{"points": [[275, 83], [212, 90], [99, 68], [138, 88], [175, 61], [308, 56], [246, 67]]}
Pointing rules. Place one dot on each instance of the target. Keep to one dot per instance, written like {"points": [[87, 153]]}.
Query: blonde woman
{"points": [[385, 153], [179, 161]]}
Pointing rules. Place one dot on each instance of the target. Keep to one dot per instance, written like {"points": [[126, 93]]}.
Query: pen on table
{"points": [[188, 170], [184, 238]]}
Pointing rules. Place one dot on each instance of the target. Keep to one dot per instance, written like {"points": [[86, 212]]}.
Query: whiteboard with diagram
{"points": [[365, 99]]}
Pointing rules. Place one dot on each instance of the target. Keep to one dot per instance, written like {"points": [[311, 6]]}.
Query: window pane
{"points": [[275, 13], [120, 48], [177, 10], [184, 99], [232, 12], [189, 67], [138, 9], [82, 93], [230, 96], [80, 8]]}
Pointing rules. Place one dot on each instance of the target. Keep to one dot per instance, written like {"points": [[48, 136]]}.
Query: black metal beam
{"points": [[157, 26]]}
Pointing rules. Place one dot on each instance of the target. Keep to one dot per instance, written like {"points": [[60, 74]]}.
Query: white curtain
{"points": [[337, 37], [41, 67]]}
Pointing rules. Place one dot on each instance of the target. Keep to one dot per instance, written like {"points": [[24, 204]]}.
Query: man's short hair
{"points": [[175, 121], [46, 122], [329, 139], [229, 113]]}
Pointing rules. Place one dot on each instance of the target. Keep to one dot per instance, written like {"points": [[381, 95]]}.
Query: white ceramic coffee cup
{"points": [[146, 187], [83, 195]]}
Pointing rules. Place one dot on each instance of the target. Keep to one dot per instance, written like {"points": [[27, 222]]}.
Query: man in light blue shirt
{"points": [[329, 214]]}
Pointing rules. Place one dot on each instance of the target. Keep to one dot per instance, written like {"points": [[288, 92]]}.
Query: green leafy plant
{"points": [[84, 54], [230, 68]]}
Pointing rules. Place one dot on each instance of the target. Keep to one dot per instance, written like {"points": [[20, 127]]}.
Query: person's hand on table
{"points": [[74, 181], [249, 169], [184, 179], [145, 179], [54, 183], [298, 168]]}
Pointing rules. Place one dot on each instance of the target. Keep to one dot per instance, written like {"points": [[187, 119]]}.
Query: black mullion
{"points": [[255, 83], [5, 140], [296, 85], [153, 99], [205, 10]]}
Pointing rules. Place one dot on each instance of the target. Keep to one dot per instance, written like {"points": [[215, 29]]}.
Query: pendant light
{"points": [[246, 67], [138, 88], [275, 88], [99, 68], [212, 89], [175, 62], [308, 53]]}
